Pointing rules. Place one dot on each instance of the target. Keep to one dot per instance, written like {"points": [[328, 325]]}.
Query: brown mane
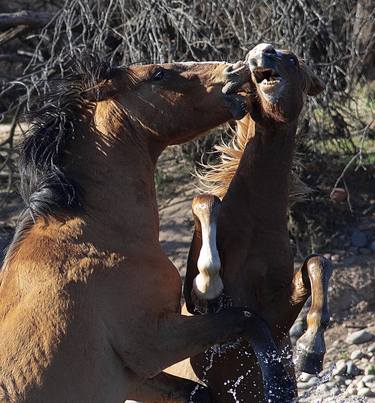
{"points": [[216, 178]]}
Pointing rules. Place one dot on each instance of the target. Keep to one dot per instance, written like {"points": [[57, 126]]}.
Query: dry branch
{"points": [[29, 18]]}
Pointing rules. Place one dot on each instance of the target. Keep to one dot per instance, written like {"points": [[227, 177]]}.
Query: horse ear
{"points": [[313, 84]]}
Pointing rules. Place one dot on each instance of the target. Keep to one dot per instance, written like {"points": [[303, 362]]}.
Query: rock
{"points": [[304, 377], [348, 382], [364, 251], [369, 380], [327, 256], [370, 370], [371, 348], [360, 385], [340, 379], [364, 392], [352, 369], [334, 391], [323, 388], [372, 246], [335, 258], [359, 337], [352, 389], [358, 238], [356, 355], [340, 368], [302, 385], [313, 381]]}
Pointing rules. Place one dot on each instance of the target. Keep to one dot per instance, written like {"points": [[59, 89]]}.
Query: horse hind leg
{"points": [[310, 347]]}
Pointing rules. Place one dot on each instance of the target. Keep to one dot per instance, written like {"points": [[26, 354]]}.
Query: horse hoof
{"points": [[310, 362]]}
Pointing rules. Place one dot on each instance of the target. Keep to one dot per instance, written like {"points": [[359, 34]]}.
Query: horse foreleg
{"points": [[314, 275], [203, 286]]}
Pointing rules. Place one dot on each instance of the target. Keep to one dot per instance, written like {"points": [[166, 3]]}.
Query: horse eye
{"points": [[158, 75]]}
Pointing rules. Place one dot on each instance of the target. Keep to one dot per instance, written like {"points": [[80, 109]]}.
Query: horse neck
{"points": [[261, 182], [117, 182]]}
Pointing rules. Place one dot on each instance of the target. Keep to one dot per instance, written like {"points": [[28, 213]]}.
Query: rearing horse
{"points": [[89, 303], [253, 262]]}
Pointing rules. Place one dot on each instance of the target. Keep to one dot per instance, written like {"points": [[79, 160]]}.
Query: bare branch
{"points": [[29, 18]]}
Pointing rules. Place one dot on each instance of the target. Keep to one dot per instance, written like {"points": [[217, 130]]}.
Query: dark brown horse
{"points": [[89, 303], [253, 262]]}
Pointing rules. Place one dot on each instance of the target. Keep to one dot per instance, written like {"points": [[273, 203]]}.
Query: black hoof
{"points": [[200, 395], [309, 362]]}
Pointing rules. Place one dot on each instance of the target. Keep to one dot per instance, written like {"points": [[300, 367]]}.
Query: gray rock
{"points": [[305, 377], [358, 238], [359, 337], [352, 369], [313, 381], [371, 348], [335, 258], [356, 355], [369, 380], [302, 385], [323, 388], [364, 392], [340, 368], [339, 379]]}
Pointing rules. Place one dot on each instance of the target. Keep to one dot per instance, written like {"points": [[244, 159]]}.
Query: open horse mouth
{"points": [[266, 77]]}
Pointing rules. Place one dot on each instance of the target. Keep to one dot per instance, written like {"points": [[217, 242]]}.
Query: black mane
{"points": [[44, 185]]}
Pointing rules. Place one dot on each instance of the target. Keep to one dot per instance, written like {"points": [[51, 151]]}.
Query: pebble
{"points": [[372, 246], [358, 239], [304, 377], [323, 388], [335, 257], [340, 379], [340, 368], [360, 385], [302, 385], [368, 379], [356, 355], [352, 369], [364, 251], [371, 348], [364, 392], [359, 337], [313, 381]]}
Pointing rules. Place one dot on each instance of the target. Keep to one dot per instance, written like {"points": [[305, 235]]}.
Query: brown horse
{"points": [[89, 303], [254, 179]]}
